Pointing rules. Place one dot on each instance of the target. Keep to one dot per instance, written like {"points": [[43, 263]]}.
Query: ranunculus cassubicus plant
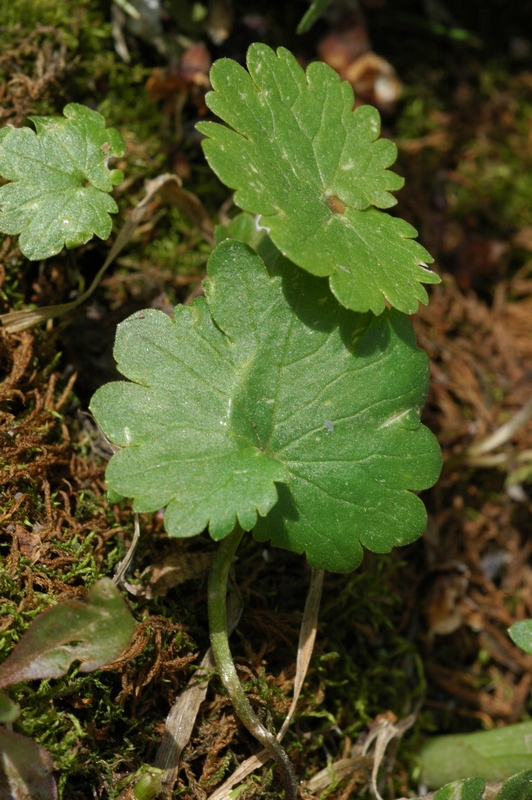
{"points": [[286, 402]]}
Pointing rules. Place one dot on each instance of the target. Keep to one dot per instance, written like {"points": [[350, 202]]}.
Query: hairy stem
{"points": [[224, 661]]}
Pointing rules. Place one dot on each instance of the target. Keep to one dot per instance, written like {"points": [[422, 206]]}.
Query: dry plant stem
{"points": [[123, 566], [502, 434], [222, 655]]}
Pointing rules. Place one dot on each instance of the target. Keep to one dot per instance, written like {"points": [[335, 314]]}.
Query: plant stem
{"points": [[222, 655]]}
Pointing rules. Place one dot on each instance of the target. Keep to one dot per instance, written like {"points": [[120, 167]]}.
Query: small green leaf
{"points": [[518, 787], [149, 785], [317, 173], [470, 789], [521, 634], [268, 381], [59, 181], [94, 632]]}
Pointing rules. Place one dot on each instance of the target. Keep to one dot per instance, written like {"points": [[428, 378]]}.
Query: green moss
{"points": [[31, 13], [78, 721]]}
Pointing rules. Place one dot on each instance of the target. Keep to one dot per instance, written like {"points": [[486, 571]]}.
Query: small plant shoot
{"points": [[317, 174], [59, 181]]}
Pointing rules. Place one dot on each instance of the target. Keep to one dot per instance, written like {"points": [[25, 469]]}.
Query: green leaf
{"points": [[518, 787], [521, 634], [25, 769], [94, 632], [59, 181], [268, 398], [244, 227], [9, 711], [493, 755], [312, 15], [316, 172], [470, 789]]}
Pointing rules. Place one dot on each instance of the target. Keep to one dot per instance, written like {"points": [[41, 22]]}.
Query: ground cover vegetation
{"points": [[432, 648]]}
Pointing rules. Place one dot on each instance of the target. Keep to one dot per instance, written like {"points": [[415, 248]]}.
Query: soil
{"points": [[421, 631]]}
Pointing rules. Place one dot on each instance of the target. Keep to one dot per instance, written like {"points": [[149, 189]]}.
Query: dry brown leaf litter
{"points": [[481, 363]]}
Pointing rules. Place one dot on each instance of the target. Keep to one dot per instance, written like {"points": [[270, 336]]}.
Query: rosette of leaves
{"points": [[268, 404], [317, 174], [59, 181]]}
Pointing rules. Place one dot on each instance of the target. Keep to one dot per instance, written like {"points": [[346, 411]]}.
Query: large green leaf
{"points": [[268, 386], [493, 755], [59, 181], [316, 172]]}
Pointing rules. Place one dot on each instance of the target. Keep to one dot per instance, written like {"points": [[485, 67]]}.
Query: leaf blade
{"points": [[283, 410], [241, 477], [94, 632], [317, 173], [26, 767], [59, 181], [521, 634]]}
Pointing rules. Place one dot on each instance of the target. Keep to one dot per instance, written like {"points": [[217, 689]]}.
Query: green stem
{"points": [[222, 655]]}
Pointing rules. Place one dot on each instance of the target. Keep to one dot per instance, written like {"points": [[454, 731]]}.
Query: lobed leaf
{"points": [[317, 173], [58, 194], [94, 632], [268, 403]]}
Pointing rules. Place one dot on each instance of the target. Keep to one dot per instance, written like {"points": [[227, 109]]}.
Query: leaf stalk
{"points": [[217, 594]]}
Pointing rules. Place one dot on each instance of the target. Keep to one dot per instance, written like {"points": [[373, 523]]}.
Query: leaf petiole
{"points": [[222, 655]]}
